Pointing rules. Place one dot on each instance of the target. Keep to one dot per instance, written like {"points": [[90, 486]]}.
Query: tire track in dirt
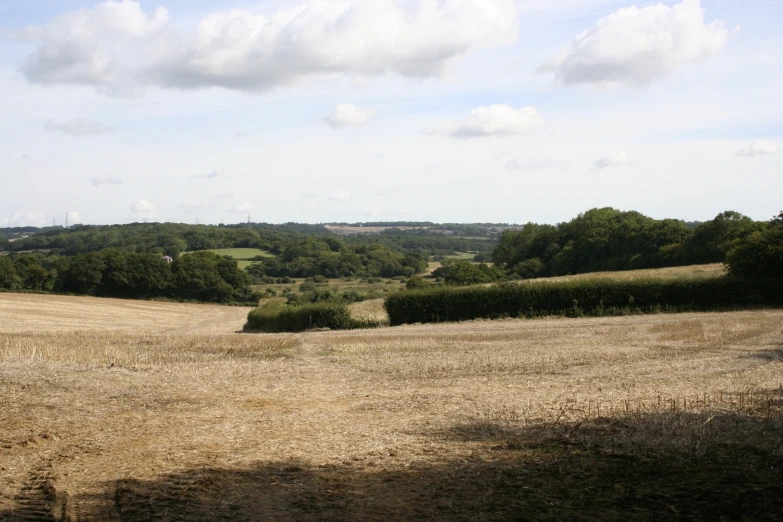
{"points": [[138, 502], [38, 500]]}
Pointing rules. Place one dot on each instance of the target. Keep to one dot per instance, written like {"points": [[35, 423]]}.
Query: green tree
{"points": [[759, 255], [713, 239], [200, 276], [9, 280], [464, 273], [85, 273]]}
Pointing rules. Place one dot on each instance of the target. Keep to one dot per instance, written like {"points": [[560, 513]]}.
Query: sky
{"points": [[388, 110]]}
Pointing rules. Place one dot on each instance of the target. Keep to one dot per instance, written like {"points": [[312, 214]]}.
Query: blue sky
{"points": [[460, 110]]}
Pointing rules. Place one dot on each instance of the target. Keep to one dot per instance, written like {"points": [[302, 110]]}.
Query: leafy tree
{"points": [[530, 268], [713, 239], [85, 273], [759, 255], [463, 273], [200, 275]]}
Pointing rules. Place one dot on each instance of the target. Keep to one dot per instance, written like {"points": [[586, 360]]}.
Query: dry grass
{"points": [[372, 310], [645, 417], [54, 313]]}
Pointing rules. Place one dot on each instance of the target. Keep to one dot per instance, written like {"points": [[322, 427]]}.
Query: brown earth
{"points": [[128, 411]]}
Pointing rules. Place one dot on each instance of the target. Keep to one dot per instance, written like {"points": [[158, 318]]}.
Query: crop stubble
{"points": [[121, 410]]}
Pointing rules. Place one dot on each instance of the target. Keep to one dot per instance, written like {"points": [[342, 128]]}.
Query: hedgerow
{"points": [[581, 298], [278, 317]]}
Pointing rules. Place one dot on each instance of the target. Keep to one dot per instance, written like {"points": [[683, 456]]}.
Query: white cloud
{"points": [[90, 46], [74, 218], [432, 166], [117, 43], [757, 148], [635, 46], [24, 219], [494, 120], [78, 127], [224, 195], [379, 155], [536, 164], [348, 115], [142, 206], [26, 157], [194, 205], [243, 208], [105, 179], [340, 196], [241, 134], [618, 159]]}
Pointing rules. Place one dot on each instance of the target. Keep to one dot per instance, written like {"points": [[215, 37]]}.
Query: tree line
{"points": [[172, 239], [201, 276], [606, 239]]}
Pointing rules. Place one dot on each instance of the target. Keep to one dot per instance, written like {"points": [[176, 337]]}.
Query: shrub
{"points": [[578, 298], [416, 283], [277, 317], [307, 287]]}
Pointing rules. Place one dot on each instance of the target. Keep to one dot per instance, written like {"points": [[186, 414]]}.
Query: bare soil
{"points": [[128, 411]]}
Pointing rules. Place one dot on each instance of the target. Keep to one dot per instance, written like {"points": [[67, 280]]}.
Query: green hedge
{"points": [[278, 317], [581, 298]]}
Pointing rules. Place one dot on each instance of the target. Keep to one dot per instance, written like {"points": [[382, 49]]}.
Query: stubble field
{"points": [[129, 411]]}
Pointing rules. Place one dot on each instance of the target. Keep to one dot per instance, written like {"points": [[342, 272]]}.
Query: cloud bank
{"points": [[117, 46]]}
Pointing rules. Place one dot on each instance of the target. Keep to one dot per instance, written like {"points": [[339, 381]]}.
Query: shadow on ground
{"points": [[654, 466]]}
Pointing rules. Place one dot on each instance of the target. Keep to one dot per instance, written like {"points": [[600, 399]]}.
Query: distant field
{"points": [[694, 271], [346, 231], [135, 411], [239, 253], [463, 256]]}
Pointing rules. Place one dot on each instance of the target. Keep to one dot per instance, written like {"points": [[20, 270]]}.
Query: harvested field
{"points": [[652, 417], [674, 272], [341, 230], [57, 313]]}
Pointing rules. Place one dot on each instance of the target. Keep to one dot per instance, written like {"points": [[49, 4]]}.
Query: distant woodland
{"points": [[128, 260]]}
